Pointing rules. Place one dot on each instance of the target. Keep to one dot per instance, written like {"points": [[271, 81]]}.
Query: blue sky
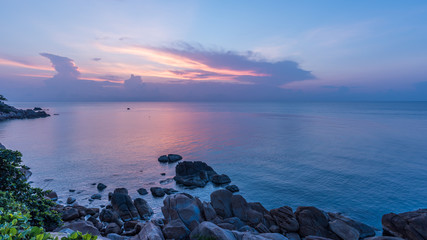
{"points": [[307, 49]]}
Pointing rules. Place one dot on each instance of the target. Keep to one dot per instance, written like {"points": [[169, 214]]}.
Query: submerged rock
{"points": [[101, 186]]}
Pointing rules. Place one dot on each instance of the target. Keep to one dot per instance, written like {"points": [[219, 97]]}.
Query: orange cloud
{"points": [[7, 62]]}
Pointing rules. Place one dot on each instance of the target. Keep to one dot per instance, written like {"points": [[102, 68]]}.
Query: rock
{"points": [[208, 212], [221, 202], [313, 222], [70, 214], [243, 210], [363, 229], [150, 231], [142, 191], [108, 216], [383, 238], [316, 238], [196, 174], [37, 109], [2, 146], [274, 229], [81, 226], [247, 228], [157, 191], [163, 159], [163, 174], [96, 196], [292, 236], [113, 228], [52, 195], [101, 186], [211, 231], [115, 236], [183, 207], [225, 225], [285, 219], [95, 222], [169, 191], [176, 229], [235, 221], [232, 188], [71, 200], [123, 205], [407, 225], [121, 190], [143, 208], [166, 181], [220, 179], [262, 228], [71, 190], [130, 225], [343, 230]]}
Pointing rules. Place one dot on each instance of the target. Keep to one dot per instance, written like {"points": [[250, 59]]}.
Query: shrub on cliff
{"points": [[17, 195]]}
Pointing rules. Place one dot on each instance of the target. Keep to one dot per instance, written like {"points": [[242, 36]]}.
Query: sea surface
{"points": [[361, 159]]}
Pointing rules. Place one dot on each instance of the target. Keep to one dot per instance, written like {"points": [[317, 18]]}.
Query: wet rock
{"points": [[169, 191], [123, 205], [407, 225], [166, 181], [232, 188], [70, 214], [221, 202], [108, 216], [220, 179], [243, 210], [292, 236], [183, 207], [313, 222], [121, 190], [101, 186], [142, 191], [113, 228], [170, 158], [163, 174], [210, 230], [96, 196], [176, 229], [95, 222], [143, 208], [115, 236], [163, 159], [196, 174], [363, 229], [52, 196], [128, 226], [343, 230], [285, 219], [150, 231], [157, 191], [71, 200], [208, 212]]}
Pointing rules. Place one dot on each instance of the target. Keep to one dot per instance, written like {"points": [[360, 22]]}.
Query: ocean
{"points": [[363, 159]]}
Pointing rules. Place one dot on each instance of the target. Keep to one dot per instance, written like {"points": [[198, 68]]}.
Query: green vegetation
{"points": [[2, 98]]}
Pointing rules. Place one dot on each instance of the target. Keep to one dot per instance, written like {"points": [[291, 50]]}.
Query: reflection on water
{"points": [[362, 159]]}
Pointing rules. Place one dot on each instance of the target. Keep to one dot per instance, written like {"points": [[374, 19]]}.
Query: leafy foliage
{"points": [[79, 236], [17, 194], [15, 226], [2, 98]]}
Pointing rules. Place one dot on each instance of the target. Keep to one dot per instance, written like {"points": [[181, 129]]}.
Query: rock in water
{"points": [[196, 174], [220, 179], [163, 159], [407, 225], [143, 208], [53, 196], [174, 158], [157, 192], [285, 219], [101, 186], [343, 230], [232, 188], [363, 229], [70, 200], [96, 196], [123, 205], [142, 191], [313, 222]]}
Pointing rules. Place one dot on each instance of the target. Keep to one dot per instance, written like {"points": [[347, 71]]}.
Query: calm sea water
{"points": [[361, 159]]}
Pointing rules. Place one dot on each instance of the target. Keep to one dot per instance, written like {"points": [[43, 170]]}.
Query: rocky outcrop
{"points": [[143, 208], [150, 231], [196, 174], [123, 205], [9, 112], [220, 179], [285, 219], [170, 158], [363, 229], [183, 207], [313, 222], [407, 225]]}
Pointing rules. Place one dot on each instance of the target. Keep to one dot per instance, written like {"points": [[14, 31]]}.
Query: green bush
{"points": [[18, 195], [15, 226]]}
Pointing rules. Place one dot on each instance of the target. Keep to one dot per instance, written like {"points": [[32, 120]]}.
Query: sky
{"points": [[213, 50]]}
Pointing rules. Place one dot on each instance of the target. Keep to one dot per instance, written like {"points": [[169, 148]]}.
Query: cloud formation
{"points": [[64, 67]]}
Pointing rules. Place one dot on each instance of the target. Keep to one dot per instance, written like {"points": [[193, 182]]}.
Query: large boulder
{"points": [[143, 208], [196, 174], [363, 229], [113, 228], [407, 225], [183, 207], [170, 158], [210, 230], [221, 202], [108, 216], [70, 214], [208, 212], [220, 179], [150, 231], [176, 229], [81, 226], [343, 230], [313, 222], [157, 191], [123, 205], [285, 219]]}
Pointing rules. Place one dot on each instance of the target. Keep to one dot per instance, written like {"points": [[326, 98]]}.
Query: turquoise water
{"points": [[361, 159]]}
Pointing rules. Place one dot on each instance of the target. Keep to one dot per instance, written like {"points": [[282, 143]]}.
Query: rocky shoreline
{"points": [[8, 112], [227, 216]]}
